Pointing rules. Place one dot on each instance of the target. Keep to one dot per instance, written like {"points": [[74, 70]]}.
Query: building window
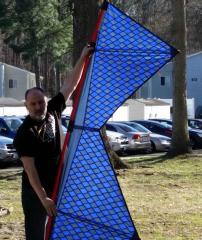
{"points": [[12, 83], [194, 79], [163, 81]]}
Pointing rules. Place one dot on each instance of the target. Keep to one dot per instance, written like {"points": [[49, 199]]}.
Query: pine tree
{"points": [[36, 29]]}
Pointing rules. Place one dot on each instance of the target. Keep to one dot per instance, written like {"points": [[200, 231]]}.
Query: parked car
{"points": [[162, 120], [156, 127], [118, 142], [114, 145], [195, 135], [137, 140], [65, 120], [195, 123], [7, 150], [9, 126], [158, 142]]}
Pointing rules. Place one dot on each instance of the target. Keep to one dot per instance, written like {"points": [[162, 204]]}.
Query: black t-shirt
{"points": [[41, 140]]}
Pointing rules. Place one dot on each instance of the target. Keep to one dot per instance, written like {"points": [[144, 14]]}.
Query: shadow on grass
{"points": [[10, 176], [150, 160]]}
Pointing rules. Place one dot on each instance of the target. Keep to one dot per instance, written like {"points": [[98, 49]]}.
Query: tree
{"points": [[38, 31], [194, 22], [180, 138], [85, 16]]}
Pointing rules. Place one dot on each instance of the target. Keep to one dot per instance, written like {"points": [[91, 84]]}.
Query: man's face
{"points": [[36, 104]]}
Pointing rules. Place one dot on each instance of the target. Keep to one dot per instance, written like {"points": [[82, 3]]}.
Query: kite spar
{"points": [[90, 203]]}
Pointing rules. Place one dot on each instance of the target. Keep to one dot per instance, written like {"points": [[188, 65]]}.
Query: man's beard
{"points": [[38, 117]]}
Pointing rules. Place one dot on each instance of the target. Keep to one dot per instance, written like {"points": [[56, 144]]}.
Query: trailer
{"points": [[15, 81]]}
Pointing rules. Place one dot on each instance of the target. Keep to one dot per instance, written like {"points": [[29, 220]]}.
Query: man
{"points": [[38, 145]]}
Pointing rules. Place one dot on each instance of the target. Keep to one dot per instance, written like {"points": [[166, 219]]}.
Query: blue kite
{"points": [[90, 203]]}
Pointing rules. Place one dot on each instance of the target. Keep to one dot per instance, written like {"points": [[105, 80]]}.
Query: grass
{"points": [[164, 197], [11, 225]]}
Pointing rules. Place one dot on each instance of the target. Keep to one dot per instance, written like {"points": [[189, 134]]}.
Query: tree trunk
{"points": [[85, 17], [180, 138], [37, 71], [114, 158], [52, 82], [45, 71], [58, 77]]}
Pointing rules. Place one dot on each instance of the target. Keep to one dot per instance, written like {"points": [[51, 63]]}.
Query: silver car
{"points": [[137, 140], [7, 150], [118, 142], [158, 142]]}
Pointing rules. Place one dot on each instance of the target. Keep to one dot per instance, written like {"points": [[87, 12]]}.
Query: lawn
{"points": [[164, 197], [11, 224]]}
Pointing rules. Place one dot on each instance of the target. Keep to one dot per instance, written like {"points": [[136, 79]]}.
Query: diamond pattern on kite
{"points": [[121, 33], [91, 205], [126, 56], [91, 196], [76, 229]]}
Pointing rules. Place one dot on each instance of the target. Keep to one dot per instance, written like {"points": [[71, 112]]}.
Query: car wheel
{"points": [[153, 147], [193, 143]]}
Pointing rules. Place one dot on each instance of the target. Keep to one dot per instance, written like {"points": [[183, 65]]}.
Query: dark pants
{"points": [[35, 215]]}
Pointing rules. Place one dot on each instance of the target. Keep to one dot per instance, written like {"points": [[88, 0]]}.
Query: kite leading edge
{"points": [[90, 203]]}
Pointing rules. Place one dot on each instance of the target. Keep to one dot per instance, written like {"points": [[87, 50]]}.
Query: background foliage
{"points": [[42, 36]]}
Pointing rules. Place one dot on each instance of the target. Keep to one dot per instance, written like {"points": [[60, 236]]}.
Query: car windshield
{"points": [[195, 124], [126, 128], [138, 127], [167, 124], [13, 123]]}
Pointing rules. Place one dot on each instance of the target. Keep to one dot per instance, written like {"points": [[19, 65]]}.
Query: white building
{"points": [[161, 84], [15, 81], [140, 109]]}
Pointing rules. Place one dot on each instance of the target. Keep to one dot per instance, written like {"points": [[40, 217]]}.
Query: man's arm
{"points": [[74, 76], [30, 169]]}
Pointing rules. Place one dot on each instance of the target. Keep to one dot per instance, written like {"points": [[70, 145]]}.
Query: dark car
{"points": [[9, 126], [162, 120], [195, 135], [156, 127], [195, 123], [65, 121]]}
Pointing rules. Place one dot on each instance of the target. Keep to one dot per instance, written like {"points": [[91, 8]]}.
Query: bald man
{"points": [[38, 145]]}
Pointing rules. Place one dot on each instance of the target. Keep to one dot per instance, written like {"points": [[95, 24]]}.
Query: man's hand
{"points": [[87, 51], [74, 76], [49, 205], [29, 166]]}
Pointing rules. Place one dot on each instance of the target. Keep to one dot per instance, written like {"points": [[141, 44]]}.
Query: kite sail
{"points": [[90, 203]]}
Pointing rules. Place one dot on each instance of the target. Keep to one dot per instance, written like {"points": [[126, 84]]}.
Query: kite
{"points": [[90, 203]]}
